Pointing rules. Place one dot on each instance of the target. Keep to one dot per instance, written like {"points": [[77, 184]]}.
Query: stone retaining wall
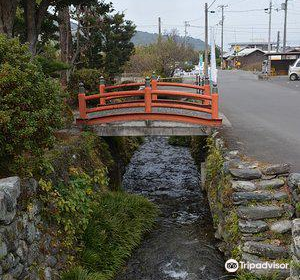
{"points": [[25, 252], [253, 206]]}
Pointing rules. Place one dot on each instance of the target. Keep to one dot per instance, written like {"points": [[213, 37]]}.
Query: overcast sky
{"points": [[245, 20]]}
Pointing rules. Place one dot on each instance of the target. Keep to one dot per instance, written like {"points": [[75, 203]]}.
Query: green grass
{"points": [[118, 224]]}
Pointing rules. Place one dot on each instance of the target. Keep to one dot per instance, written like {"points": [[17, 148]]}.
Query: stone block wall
{"points": [[295, 250], [253, 206], [25, 252]]}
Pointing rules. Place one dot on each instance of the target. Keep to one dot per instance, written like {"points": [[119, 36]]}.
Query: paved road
{"points": [[265, 116]]}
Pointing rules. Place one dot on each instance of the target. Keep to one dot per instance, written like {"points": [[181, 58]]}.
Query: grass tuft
{"points": [[117, 226]]}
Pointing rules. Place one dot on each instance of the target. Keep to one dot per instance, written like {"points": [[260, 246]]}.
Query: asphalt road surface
{"points": [[265, 116]]}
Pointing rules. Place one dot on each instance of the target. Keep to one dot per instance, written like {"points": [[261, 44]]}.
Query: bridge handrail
{"points": [[159, 104], [134, 93], [182, 94], [124, 85], [170, 84], [150, 93]]}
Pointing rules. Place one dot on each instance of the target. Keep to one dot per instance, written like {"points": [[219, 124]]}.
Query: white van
{"points": [[294, 71]]}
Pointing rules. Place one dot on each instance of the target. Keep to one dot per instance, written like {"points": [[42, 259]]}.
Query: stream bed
{"points": [[182, 245]]}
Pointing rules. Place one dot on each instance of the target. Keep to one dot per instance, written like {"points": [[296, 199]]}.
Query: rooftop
{"points": [[250, 43], [248, 51]]}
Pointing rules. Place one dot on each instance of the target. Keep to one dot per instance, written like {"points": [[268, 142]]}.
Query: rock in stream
{"points": [[182, 245]]}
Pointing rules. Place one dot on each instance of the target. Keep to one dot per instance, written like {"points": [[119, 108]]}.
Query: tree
{"points": [[35, 13], [106, 37], [31, 104], [163, 57], [48, 32], [65, 38], [7, 16]]}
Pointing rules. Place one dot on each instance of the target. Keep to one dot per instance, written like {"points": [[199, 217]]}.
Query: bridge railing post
{"points": [[148, 96], [198, 82], [82, 102], [154, 85], [202, 81], [215, 102], [206, 90], [102, 90]]}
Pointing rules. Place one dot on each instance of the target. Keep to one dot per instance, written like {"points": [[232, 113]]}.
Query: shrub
{"points": [[70, 205], [49, 59], [31, 106]]}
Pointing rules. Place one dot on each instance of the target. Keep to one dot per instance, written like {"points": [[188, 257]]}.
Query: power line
{"points": [[246, 11], [212, 4]]}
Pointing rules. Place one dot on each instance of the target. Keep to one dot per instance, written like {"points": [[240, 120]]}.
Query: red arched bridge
{"points": [[189, 104]]}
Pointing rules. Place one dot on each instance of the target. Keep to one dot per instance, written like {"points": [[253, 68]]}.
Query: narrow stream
{"points": [[182, 246]]}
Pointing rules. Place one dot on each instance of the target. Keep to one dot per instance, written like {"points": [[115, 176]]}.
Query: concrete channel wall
{"points": [[255, 208]]}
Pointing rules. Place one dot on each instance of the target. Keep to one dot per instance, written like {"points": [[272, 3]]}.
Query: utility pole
{"points": [[270, 34], [159, 30], [206, 42], [222, 35], [186, 25], [285, 24], [278, 41]]}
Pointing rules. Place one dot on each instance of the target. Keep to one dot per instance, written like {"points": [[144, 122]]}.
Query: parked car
{"points": [[294, 71]]}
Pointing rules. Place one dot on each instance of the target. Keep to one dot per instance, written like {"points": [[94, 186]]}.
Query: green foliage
{"points": [[70, 206], [31, 106], [214, 163], [118, 222], [124, 147], [107, 39], [51, 67], [183, 141], [49, 28], [199, 149], [79, 273], [232, 227], [86, 152], [89, 77], [121, 150]]}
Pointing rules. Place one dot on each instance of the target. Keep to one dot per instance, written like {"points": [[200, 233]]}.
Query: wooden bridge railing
{"points": [[150, 96]]}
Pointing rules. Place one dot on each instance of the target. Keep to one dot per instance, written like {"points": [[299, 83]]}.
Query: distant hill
{"points": [[145, 38]]}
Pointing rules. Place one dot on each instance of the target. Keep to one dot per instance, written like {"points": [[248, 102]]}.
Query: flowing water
{"points": [[182, 245]]}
